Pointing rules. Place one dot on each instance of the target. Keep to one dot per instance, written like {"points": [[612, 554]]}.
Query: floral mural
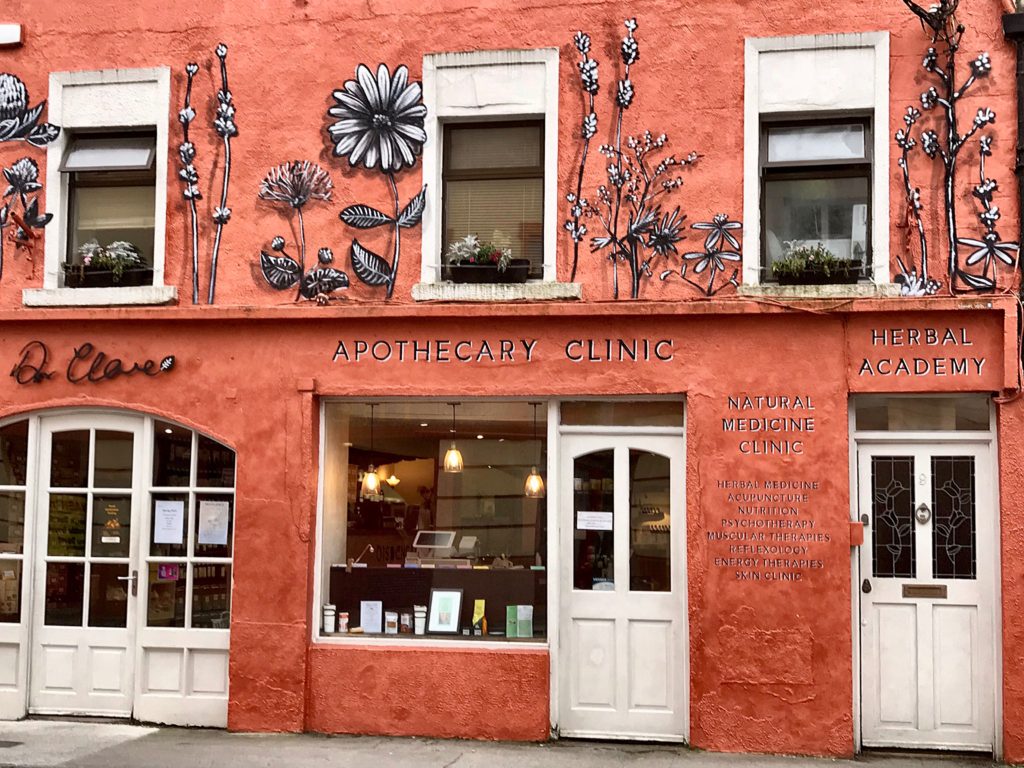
{"points": [[18, 120], [378, 126]]}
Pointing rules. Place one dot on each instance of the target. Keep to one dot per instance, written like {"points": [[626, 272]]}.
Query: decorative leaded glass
{"points": [[953, 511], [892, 512]]}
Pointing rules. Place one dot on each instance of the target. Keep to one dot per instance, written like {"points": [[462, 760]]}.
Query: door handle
{"points": [[134, 579], [865, 586]]}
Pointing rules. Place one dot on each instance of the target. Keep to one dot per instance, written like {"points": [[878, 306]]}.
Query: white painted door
{"points": [[926, 597], [623, 651], [85, 593]]}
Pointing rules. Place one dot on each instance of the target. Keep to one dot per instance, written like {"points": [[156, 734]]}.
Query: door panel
{"points": [[927, 584], [622, 588]]}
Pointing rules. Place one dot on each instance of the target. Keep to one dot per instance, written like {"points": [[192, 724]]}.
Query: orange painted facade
{"points": [[772, 665]]}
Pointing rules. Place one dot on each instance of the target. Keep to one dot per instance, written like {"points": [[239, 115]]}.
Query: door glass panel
{"points": [[168, 535], [12, 522], [113, 459], [593, 519], [166, 604], [64, 592], [66, 536], [211, 596], [901, 414], [650, 526], [215, 465], [108, 595], [953, 521], [214, 525], [172, 455], [13, 453], [111, 525], [69, 460], [10, 591], [892, 513]]}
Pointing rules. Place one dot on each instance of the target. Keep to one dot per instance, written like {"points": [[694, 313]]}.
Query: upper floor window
{"points": [[816, 200], [494, 191]]}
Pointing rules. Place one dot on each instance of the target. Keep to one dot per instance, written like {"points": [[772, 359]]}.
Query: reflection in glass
{"points": [[69, 460], [892, 515], [211, 596], [66, 530], [10, 591], [13, 453], [167, 549], [166, 604], [172, 455], [215, 466], [113, 459], [64, 594], [108, 595], [650, 523], [12, 522], [593, 513], [111, 525], [214, 524], [904, 414], [953, 509]]}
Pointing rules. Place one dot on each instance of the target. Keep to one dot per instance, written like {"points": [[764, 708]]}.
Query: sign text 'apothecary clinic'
{"points": [[504, 350]]}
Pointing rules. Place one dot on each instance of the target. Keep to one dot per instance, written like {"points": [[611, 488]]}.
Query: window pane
{"points": [[214, 524], [650, 523], [66, 536], [892, 517], [111, 525], [172, 455], [507, 213], [495, 147], [113, 459], [109, 154], [10, 591], [211, 596], [12, 522], [953, 507], [166, 603], [167, 533], [815, 142], [830, 211], [69, 462], [13, 453], [594, 515], [901, 414], [622, 414], [215, 466], [109, 214], [65, 591], [108, 595]]}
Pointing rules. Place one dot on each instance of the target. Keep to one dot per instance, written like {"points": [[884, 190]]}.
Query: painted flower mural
{"points": [[19, 121], [20, 206], [379, 127], [295, 184]]}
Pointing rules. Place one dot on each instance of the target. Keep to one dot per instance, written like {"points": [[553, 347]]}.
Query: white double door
{"points": [[926, 596], [88, 525], [623, 652]]}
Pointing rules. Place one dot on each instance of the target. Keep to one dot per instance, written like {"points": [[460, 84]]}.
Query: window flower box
{"points": [[90, 277], [467, 272], [845, 274]]}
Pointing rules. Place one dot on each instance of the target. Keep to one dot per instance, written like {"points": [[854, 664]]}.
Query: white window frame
{"points": [[103, 99], [859, 91], [488, 86]]}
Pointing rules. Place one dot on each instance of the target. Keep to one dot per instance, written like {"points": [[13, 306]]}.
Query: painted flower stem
{"points": [[914, 208], [193, 212], [220, 224], [398, 236], [302, 240], [224, 124]]}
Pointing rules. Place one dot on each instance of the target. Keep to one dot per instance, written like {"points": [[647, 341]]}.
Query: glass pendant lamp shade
{"points": [[371, 483], [534, 485], [453, 459]]}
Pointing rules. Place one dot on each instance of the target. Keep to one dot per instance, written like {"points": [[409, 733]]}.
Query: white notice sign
{"points": [[213, 522], [593, 521], [169, 522]]}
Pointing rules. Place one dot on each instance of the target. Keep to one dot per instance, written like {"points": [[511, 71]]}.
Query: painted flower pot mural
{"points": [[379, 127], [470, 261]]}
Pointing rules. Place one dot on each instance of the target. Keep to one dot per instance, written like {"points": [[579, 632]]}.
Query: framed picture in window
{"points": [[445, 609]]}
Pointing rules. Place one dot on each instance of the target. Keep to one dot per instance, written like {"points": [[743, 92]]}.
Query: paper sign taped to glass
{"points": [[593, 521], [213, 522]]}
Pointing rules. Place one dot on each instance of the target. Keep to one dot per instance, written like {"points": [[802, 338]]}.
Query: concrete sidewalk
{"points": [[48, 743]]}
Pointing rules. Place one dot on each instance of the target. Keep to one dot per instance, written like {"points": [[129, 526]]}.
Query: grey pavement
{"points": [[51, 743]]}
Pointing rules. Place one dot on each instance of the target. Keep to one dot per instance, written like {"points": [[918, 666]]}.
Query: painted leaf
{"points": [[976, 282], [413, 212], [364, 217], [43, 134], [318, 282], [369, 267], [167, 363], [280, 271]]}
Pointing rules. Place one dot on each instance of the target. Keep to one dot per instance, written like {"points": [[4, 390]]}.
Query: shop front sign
{"points": [[86, 363], [503, 350]]}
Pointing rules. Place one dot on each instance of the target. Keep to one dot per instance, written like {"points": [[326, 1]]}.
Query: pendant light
{"points": [[371, 483], [534, 488], [453, 459]]}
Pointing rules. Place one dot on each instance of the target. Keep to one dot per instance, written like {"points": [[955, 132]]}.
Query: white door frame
{"points": [[555, 523], [987, 441]]}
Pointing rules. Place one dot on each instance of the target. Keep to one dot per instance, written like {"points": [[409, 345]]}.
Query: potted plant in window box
{"points": [[107, 266], [815, 265], [470, 261]]}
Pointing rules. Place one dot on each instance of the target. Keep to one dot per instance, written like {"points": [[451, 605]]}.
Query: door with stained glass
{"points": [[622, 635], [86, 577], [926, 597]]}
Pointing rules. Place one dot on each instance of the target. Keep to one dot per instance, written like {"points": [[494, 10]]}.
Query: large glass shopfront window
{"points": [[434, 520]]}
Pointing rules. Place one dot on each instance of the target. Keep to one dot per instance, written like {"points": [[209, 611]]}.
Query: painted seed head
{"points": [[13, 96]]}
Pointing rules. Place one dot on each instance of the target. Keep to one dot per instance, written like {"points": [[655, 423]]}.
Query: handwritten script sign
{"points": [[86, 364]]}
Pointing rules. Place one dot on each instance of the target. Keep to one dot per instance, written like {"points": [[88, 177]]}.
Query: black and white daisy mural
{"points": [[378, 126], [628, 218], [970, 263]]}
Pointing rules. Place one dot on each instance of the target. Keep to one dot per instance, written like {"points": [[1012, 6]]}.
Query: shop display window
{"points": [[13, 465], [434, 520]]}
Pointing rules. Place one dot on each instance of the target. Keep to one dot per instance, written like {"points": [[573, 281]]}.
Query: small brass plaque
{"points": [[925, 590]]}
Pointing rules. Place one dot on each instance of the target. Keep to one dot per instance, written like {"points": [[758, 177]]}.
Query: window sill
{"points": [[836, 291], [432, 644], [99, 297], [483, 292]]}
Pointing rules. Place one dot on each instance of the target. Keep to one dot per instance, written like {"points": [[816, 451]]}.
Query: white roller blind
{"points": [[505, 212]]}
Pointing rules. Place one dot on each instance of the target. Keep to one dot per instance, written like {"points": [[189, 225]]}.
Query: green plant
{"points": [[470, 250], [802, 259], [117, 257]]}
